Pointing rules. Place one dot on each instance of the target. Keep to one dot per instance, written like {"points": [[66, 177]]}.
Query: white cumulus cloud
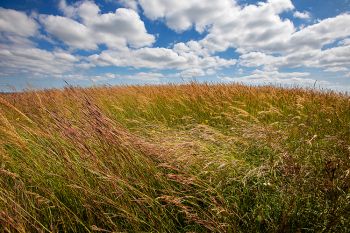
{"points": [[158, 58], [17, 23], [115, 29], [302, 15]]}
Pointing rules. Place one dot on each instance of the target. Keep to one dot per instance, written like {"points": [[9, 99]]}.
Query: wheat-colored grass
{"points": [[175, 158]]}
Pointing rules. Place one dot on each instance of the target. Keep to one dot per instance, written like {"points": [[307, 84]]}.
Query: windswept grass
{"points": [[186, 158]]}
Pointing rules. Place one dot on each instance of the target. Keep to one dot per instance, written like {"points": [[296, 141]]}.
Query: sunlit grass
{"points": [[175, 158]]}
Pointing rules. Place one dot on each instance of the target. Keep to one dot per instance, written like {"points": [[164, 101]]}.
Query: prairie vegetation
{"points": [[186, 158]]}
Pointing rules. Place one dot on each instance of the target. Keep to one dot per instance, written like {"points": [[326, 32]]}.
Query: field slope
{"points": [[187, 158]]}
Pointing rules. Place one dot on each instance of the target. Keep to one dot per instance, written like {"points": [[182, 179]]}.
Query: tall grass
{"points": [[175, 158]]}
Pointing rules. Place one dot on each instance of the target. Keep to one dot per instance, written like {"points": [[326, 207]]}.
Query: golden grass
{"points": [[175, 158]]}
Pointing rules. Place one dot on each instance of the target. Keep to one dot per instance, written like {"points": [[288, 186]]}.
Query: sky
{"points": [[49, 43]]}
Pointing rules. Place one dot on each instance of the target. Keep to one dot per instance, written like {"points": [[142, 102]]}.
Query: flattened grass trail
{"points": [[175, 158]]}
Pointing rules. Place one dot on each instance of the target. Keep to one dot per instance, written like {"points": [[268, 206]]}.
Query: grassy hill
{"points": [[187, 158]]}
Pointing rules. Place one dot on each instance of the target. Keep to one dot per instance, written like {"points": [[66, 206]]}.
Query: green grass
{"points": [[187, 158]]}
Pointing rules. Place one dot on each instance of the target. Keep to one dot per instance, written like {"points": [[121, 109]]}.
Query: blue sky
{"points": [[44, 44]]}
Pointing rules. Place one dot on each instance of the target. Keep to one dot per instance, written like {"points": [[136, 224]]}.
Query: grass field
{"points": [[186, 158]]}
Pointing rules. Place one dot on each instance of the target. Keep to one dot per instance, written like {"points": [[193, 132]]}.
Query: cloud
{"points": [[302, 15], [320, 34], [255, 59], [141, 76], [71, 32], [35, 62], [190, 73], [181, 15], [133, 4], [18, 54], [158, 58], [345, 42], [336, 69], [252, 28], [16, 28], [334, 59], [315, 46], [261, 77], [265, 41], [256, 31], [17, 23], [69, 11], [191, 47], [287, 79], [272, 75], [84, 27], [228, 24]]}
